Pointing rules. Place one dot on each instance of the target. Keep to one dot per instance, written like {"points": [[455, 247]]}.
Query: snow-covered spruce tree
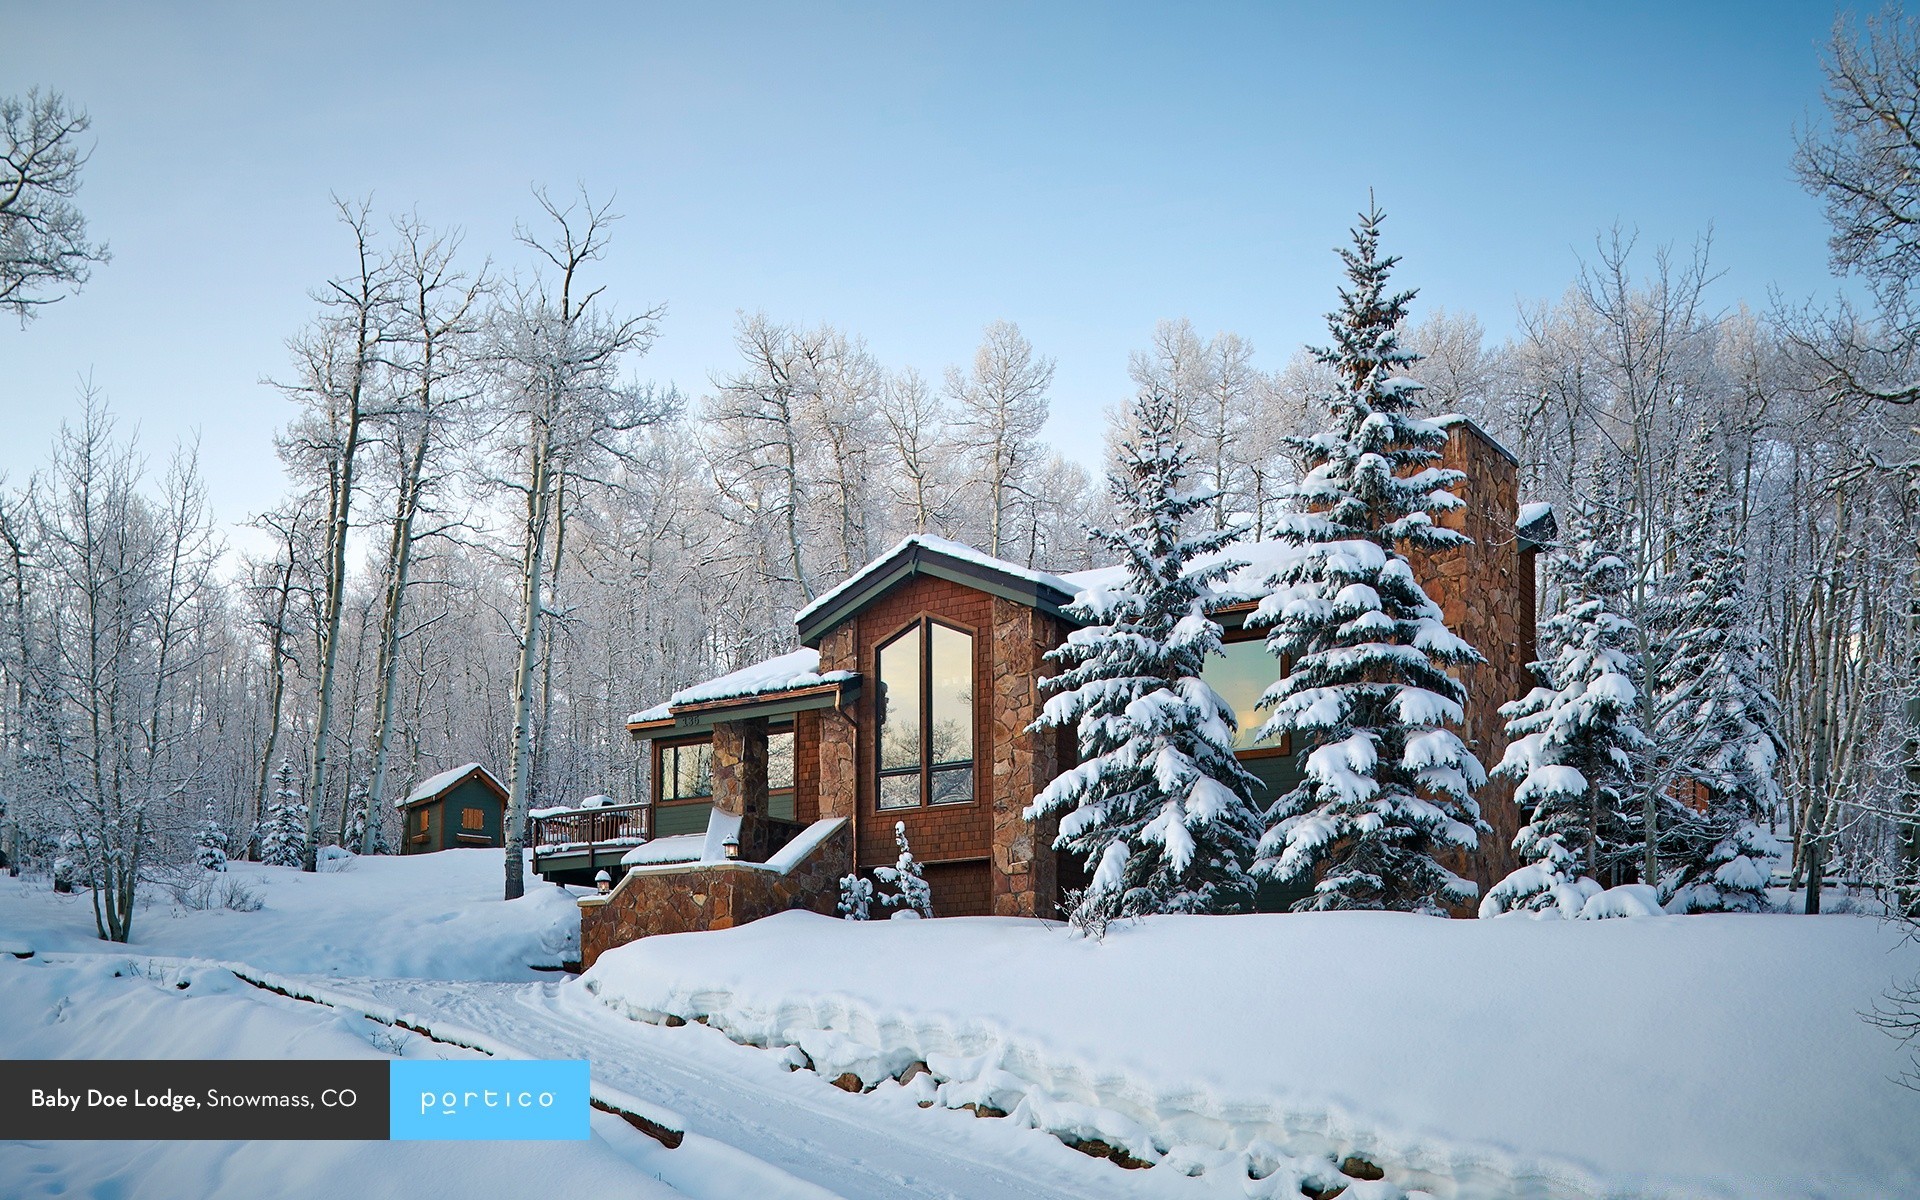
{"points": [[1388, 785], [211, 840], [1719, 719], [856, 897], [911, 893], [1575, 738], [285, 835], [1159, 808]]}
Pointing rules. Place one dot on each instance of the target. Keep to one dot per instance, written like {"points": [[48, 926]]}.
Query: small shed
{"points": [[463, 807]]}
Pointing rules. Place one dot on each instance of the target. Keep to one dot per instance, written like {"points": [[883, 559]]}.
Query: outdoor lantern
{"points": [[732, 847], [603, 881]]}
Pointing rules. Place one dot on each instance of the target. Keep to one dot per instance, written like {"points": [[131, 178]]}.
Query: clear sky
{"points": [[906, 171]]}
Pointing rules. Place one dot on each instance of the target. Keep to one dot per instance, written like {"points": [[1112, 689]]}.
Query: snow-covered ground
{"points": [[1708, 1055], [428, 916], [1668, 1056]]}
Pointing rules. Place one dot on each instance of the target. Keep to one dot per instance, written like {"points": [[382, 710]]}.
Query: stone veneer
{"points": [[1023, 881], [696, 896], [1486, 591]]}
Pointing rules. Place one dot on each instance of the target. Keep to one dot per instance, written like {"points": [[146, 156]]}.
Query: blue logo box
{"points": [[488, 1100]]}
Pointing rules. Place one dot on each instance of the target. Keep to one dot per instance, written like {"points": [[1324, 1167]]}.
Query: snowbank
{"points": [[1701, 1055], [423, 916], [120, 1006]]}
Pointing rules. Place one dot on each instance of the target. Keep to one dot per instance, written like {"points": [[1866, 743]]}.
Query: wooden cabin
{"points": [[455, 809], [909, 702]]}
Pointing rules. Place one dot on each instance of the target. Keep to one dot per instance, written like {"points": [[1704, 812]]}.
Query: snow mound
{"points": [[418, 916], [1244, 1048]]}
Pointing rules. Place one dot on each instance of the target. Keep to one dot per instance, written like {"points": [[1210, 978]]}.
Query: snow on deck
{"points": [[1717, 1056], [795, 669]]}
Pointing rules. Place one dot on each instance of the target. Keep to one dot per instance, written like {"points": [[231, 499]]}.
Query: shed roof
{"points": [[434, 786]]}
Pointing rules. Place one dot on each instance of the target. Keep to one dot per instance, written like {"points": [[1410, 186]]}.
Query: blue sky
{"points": [[909, 172]]}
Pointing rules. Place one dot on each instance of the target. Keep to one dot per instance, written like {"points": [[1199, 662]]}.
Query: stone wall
{"points": [[1486, 591], [652, 900], [1023, 879]]}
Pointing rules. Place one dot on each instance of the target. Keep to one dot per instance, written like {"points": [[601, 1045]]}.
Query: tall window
{"points": [[1241, 674], [780, 773], [682, 787], [926, 717]]}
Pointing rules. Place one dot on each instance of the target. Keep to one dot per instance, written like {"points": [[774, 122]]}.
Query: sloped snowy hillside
{"points": [[1667, 1056]]}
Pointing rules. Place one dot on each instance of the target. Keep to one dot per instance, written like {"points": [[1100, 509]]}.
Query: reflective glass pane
{"points": [[900, 791], [692, 773], [780, 759], [954, 785], [952, 694], [900, 702], [1241, 675]]}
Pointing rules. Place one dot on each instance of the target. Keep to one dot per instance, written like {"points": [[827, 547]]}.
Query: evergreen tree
{"points": [[911, 893], [1575, 739], [1719, 719], [1159, 807], [211, 839], [284, 837], [1388, 785], [856, 897]]}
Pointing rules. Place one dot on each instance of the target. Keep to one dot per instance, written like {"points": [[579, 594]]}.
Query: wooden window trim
{"points": [[924, 623], [658, 791]]}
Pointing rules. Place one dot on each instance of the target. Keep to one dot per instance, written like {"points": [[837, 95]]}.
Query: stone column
{"points": [[1023, 880], [740, 780], [839, 732]]}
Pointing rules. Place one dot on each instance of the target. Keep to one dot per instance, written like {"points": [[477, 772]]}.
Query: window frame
{"points": [[792, 730], [658, 791], [924, 625]]}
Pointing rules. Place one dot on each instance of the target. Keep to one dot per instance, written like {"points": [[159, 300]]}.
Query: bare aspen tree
{"points": [[270, 589], [44, 251], [1001, 406], [337, 364], [561, 414], [914, 422], [438, 321], [758, 412]]}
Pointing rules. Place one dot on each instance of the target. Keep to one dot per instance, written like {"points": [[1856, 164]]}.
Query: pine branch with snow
{"points": [[210, 840], [283, 836], [1159, 808], [856, 898], [1388, 783], [911, 895], [1574, 740], [1718, 718]]}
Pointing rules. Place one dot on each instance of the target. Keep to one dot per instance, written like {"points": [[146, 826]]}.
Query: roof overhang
{"points": [[916, 559], [702, 717]]}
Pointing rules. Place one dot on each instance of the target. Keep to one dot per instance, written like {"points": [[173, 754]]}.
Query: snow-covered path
{"points": [[873, 1146]]}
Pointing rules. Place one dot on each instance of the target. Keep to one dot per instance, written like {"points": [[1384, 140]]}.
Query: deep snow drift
{"points": [[422, 916], [1713, 1055]]}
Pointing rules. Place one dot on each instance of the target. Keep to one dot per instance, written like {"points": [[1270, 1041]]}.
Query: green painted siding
{"points": [[672, 819]]}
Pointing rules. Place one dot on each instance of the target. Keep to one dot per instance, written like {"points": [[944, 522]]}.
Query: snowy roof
{"points": [[794, 669], [433, 785], [1245, 584], [1449, 420], [981, 564]]}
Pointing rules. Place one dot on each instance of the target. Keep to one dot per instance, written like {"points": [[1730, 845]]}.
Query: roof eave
{"points": [[702, 717], [924, 560]]}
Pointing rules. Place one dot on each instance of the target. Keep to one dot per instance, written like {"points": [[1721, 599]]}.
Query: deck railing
{"points": [[587, 829]]}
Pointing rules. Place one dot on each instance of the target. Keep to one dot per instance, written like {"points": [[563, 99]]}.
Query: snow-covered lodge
{"points": [[908, 700]]}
